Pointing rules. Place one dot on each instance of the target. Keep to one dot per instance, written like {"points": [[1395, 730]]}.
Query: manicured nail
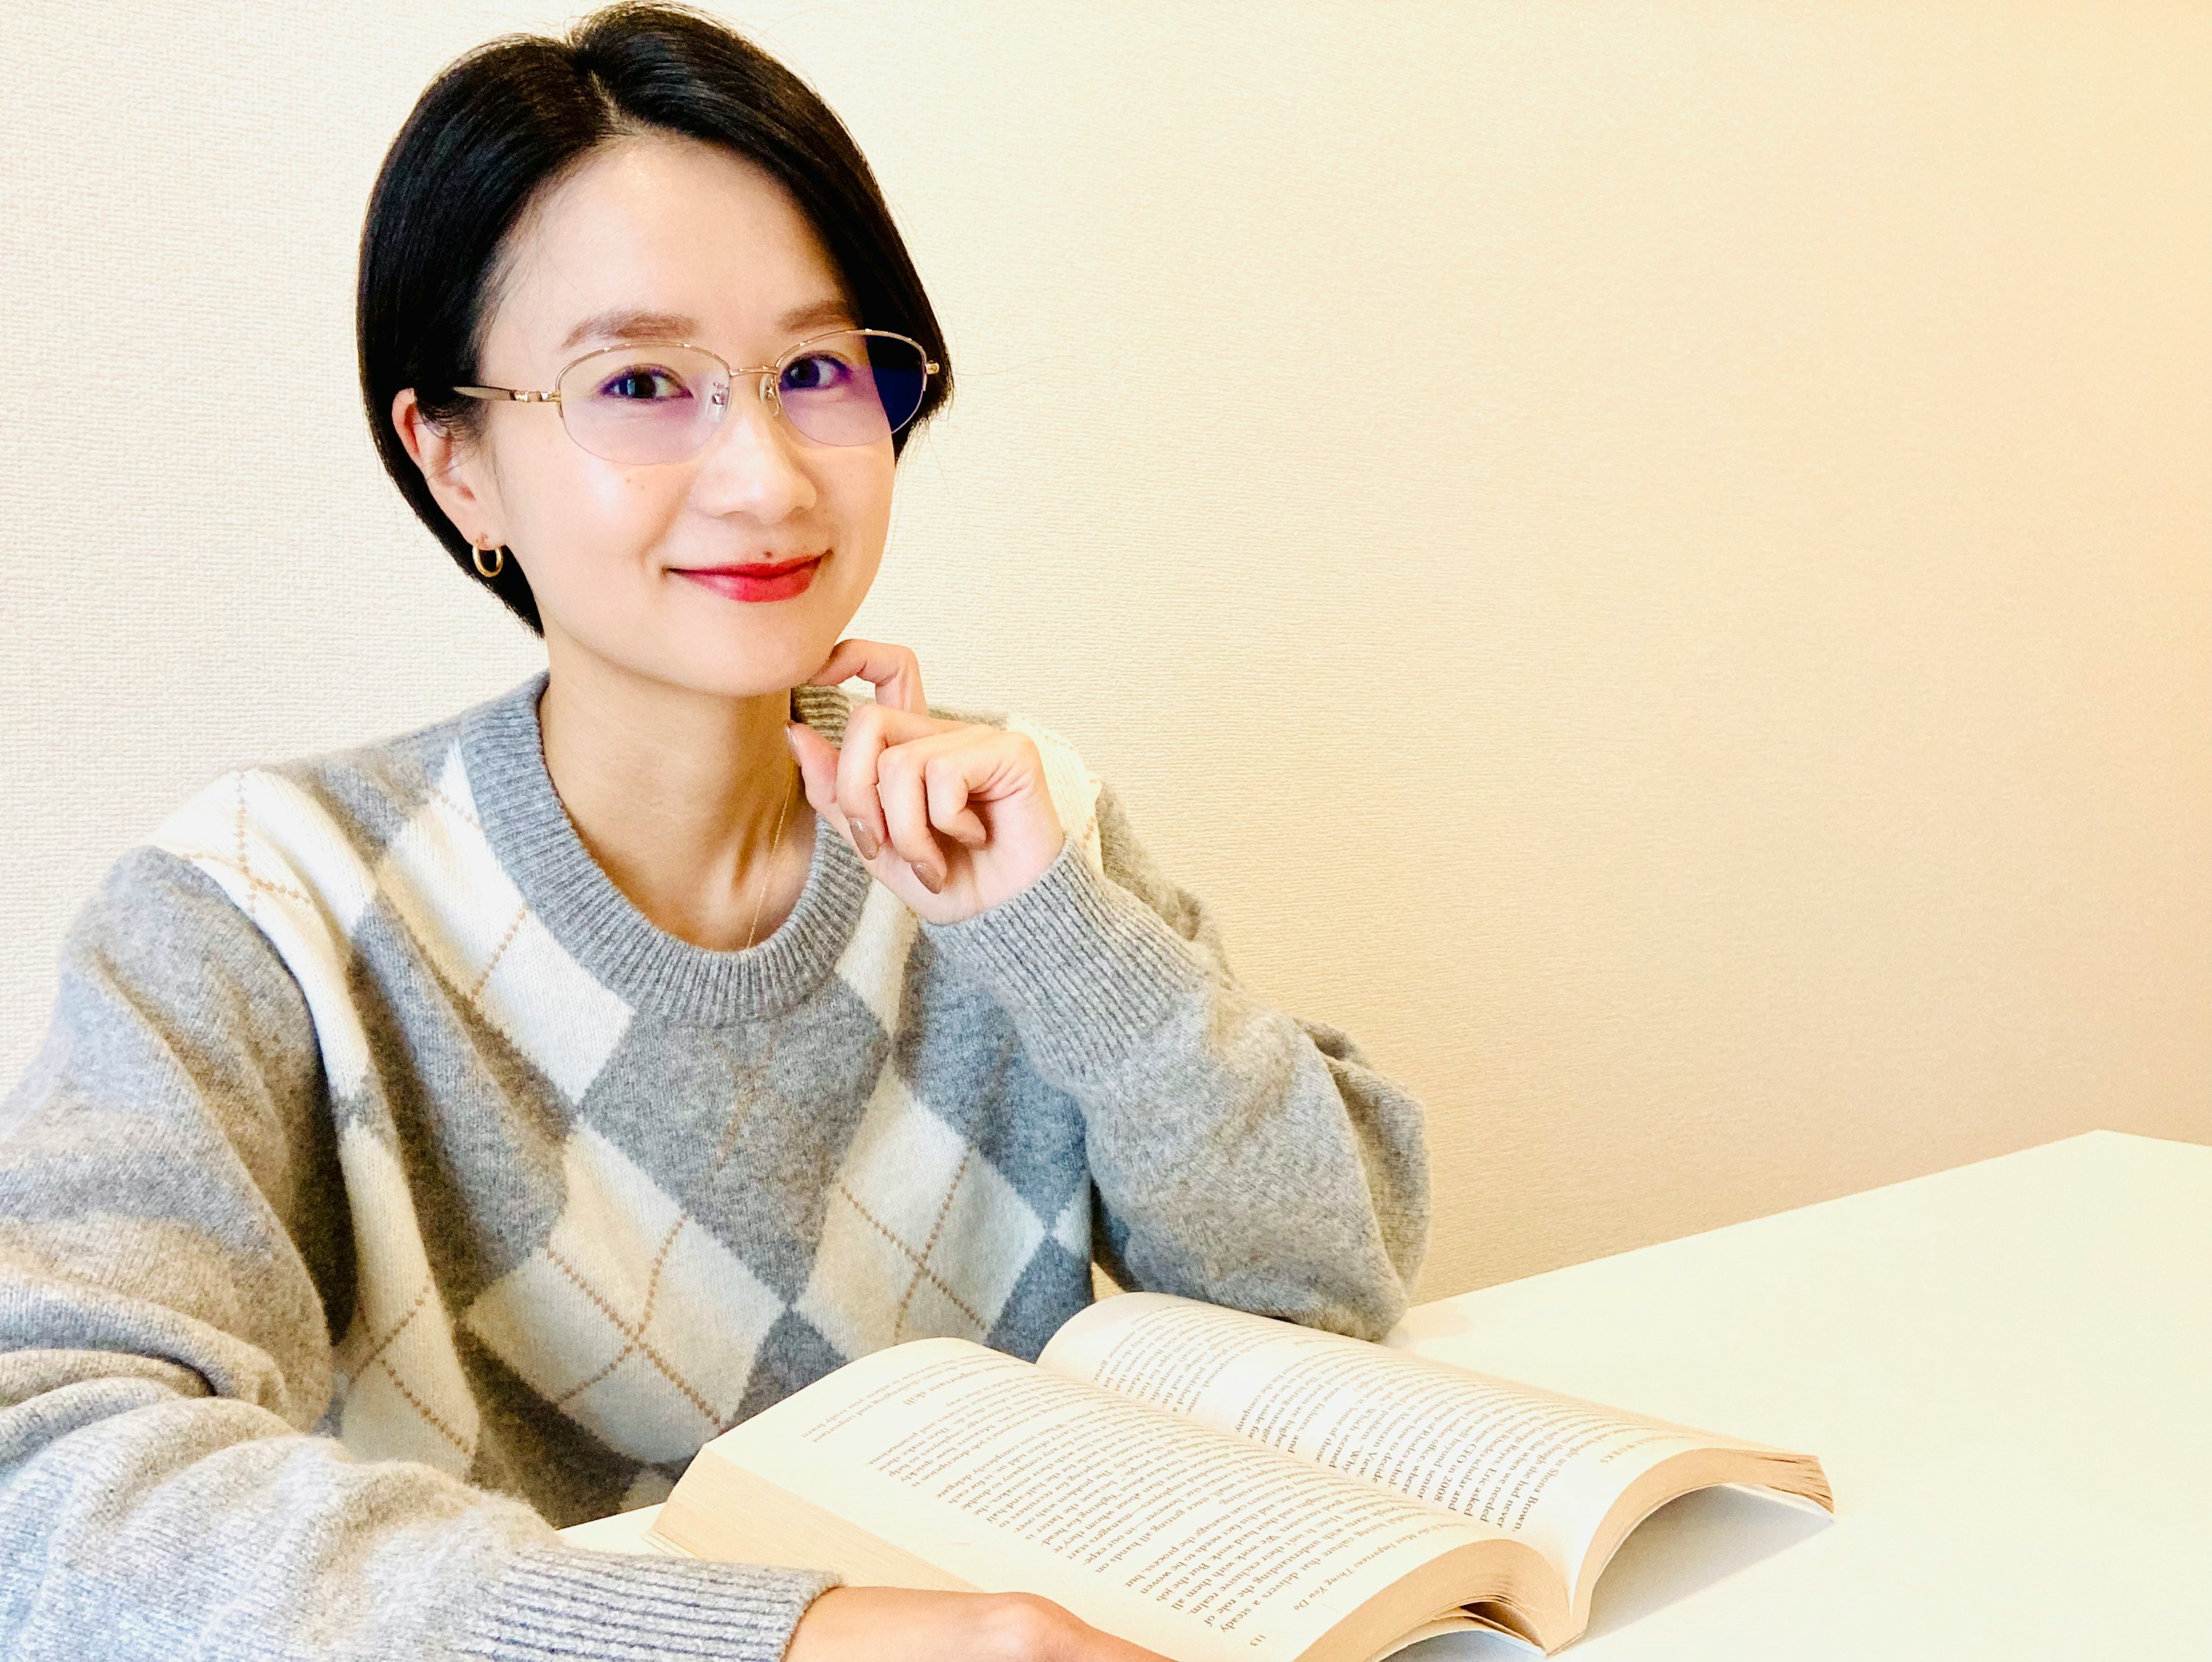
{"points": [[928, 878], [864, 840]]}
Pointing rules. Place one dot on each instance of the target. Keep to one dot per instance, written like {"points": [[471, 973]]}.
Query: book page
{"points": [[721, 1510], [1544, 1468], [1191, 1543]]}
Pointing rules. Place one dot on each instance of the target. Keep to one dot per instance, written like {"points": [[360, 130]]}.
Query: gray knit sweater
{"points": [[389, 1190]]}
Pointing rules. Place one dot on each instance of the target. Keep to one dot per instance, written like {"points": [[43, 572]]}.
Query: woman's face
{"points": [[674, 227]]}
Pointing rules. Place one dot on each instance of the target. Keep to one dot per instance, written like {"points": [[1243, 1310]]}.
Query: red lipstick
{"points": [[757, 579]]}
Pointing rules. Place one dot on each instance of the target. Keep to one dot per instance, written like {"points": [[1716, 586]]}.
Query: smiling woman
{"points": [[443, 1139]]}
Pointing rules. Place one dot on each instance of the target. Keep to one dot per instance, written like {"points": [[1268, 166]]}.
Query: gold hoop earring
{"points": [[498, 564]]}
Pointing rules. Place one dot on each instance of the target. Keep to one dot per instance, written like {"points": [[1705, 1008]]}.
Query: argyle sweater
{"points": [[389, 1190]]}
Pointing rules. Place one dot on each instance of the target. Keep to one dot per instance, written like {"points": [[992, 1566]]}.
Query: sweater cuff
{"points": [[1085, 968], [578, 1605]]}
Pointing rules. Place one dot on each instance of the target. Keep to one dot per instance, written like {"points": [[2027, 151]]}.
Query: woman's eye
{"points": [[817, 372], [642, 381]]}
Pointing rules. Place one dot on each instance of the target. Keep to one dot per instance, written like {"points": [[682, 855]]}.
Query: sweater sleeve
{"points": [[1239, 1154], [173, 1247]]}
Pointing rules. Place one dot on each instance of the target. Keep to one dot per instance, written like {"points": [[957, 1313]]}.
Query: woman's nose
{"points": [[749, 465]]}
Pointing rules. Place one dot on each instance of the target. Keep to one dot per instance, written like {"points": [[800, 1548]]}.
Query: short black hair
{"points": [[502, 121]]}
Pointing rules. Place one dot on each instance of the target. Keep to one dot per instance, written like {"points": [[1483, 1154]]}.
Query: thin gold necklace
{"points": [[767, 864]]}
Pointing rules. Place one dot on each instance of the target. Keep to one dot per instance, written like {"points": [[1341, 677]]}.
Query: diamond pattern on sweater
{"points": [[398, 1388], [1072, 1229], [871, 1217], [280, 858], [404, 1394], [443, 878], [632, 1319], [745, 1129], [874, 963], [923, 1236]]}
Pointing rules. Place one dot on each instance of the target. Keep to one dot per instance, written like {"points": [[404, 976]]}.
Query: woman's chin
{"points": [[740, 666]]}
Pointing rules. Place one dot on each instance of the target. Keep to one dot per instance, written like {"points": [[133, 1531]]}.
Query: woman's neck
{"points": [[679, 796]]}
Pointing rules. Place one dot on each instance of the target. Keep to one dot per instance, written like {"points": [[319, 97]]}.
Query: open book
{"points": [[1207, 1484]]}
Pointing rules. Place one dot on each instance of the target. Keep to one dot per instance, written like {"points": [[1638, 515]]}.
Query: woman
{"points": [[439, 1140]]}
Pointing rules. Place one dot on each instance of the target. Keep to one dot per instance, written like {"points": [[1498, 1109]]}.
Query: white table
{"points": [[2007, 1370]]}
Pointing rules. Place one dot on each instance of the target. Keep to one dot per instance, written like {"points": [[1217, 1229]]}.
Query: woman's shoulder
{"points": [[304, 835]]}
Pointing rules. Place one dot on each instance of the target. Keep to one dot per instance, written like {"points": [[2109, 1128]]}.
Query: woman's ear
{"points": [[437, 453]]}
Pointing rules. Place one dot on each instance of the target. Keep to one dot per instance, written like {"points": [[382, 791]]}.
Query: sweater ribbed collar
{"points": [[503, 747]]}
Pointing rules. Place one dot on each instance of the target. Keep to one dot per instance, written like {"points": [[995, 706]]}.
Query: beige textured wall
{"points": [[1652, 560]]}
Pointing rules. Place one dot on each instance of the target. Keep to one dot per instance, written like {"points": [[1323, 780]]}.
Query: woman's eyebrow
{"points": [[632, 323], [628, 323], [822, 311]]}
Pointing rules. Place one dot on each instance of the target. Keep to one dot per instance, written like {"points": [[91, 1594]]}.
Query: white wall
{"points": [[1652, 560]]}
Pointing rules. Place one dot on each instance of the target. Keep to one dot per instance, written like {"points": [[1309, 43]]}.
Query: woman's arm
{"points": [[1240, 1155], [174, 1241]]}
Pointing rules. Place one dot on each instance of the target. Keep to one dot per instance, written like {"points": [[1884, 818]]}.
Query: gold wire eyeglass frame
{"points": [[770, 393]]}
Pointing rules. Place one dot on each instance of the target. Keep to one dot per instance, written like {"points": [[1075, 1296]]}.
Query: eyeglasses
{"points": [[661, 402]]}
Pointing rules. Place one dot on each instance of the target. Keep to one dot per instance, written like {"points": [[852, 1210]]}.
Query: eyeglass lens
{"points": [[658, 403]]}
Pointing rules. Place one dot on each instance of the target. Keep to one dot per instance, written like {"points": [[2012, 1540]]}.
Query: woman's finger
{"points": [[868, 729], [901, 794], [893, 671], [954, 767]]}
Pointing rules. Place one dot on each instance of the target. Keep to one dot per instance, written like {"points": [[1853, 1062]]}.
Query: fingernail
{"points": [[928, 880], [864, 840]]}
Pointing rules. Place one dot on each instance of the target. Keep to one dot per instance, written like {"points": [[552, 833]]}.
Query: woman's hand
{"points": [[950, 817], [898, 1624]]}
